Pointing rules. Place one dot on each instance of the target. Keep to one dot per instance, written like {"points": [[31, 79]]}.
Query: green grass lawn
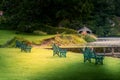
{"points": [[41, 65], [6, 35]]}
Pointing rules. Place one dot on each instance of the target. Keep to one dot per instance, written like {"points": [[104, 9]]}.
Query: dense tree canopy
{"points": [[96, 14]]}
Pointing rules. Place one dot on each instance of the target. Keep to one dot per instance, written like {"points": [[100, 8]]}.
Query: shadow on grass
{"points": [[78, 71]]}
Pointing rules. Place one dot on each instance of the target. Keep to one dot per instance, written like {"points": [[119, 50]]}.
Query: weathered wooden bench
{"points": [[59, 51], [90, 54]]}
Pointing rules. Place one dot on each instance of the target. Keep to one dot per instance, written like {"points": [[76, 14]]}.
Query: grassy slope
{"points": [[41, 65], [7, 35]]}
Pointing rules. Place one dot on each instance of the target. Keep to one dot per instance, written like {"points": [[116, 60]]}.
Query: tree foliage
{"points": [[96, 14]]}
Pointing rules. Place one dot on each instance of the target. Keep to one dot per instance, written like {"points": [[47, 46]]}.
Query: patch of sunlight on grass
{"points": [[22, 65], [40, 64]]}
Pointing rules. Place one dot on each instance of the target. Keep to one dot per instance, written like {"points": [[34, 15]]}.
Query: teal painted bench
{"points": [[23, 46], [59, 51], [18, 44], [90, 54]]}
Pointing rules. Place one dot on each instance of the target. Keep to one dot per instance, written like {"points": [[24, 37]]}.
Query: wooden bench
{"points": [[23, 46], [18, 44], [90, 54], [59, 51]]}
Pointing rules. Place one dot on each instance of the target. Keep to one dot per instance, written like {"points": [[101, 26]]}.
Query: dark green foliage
{"points": [[22, 14], [51, 30], [33, 27], [25, 27], [88, 37]]}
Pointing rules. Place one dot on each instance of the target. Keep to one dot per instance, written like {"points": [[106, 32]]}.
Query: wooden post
{"points": [[112, 50], [104, 49]]}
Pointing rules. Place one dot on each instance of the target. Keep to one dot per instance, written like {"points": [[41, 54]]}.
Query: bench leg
{"points": [[96, 61], [55, 53], [62, 54], [99, 60], [87, 59]]}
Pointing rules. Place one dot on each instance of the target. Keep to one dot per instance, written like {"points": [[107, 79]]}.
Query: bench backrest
{"points": [[55, 48], [18, 44], [88, 53]]}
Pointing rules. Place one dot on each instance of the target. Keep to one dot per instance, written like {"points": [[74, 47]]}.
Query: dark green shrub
{"points": [[25, 27], [88, 37], [66, 30], [52, 30]]}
